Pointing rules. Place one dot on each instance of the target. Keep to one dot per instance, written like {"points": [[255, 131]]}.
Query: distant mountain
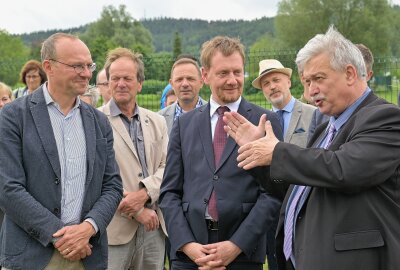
{"points": [[192, 32]]}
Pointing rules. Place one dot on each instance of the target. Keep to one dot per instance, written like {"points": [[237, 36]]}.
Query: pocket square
{"points": [[299, 130]]}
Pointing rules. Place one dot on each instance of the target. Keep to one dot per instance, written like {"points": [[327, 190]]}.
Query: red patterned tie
{"points": [[219, 142]]}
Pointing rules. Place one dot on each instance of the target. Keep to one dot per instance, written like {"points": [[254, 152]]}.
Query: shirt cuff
{"points": [[91, 221]]}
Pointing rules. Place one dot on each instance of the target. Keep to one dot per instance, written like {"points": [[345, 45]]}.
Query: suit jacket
{"points": [[317, 119], [30, 190], [122, 229], [297, 132], [351, 217], [169, 114], [245, 210]]}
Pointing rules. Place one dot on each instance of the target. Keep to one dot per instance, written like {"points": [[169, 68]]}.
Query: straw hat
{"points": [[268, 66]]}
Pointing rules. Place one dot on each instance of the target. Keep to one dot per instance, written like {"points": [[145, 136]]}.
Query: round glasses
{"points": [[78, 68]]}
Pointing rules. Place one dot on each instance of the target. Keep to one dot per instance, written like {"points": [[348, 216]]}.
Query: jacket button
{"points": [[205, 201], [140, 174], [56, 210], [57, 181], [215, 177]]}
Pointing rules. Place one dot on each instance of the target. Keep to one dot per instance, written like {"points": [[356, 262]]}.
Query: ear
{"points": [[47, 67], [204, 75], [140, 87], [351, 74]]}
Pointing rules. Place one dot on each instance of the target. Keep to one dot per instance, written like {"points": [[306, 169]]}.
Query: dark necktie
{"points": [[280, 116], [298, 191], [219, 142]]}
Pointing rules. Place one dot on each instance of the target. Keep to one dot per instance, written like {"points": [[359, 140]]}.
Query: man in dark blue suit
{"points": [[59, 182], [216, 214]]}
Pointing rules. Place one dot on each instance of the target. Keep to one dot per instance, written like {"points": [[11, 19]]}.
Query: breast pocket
{"points": [[358, 240]]}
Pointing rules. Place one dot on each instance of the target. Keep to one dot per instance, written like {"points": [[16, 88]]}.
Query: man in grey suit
{"points": [[60, 184], [186, 82], [342, 209], [295, 116]]}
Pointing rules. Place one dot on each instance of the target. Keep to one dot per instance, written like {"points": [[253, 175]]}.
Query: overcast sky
{"points": [[25, 16]]}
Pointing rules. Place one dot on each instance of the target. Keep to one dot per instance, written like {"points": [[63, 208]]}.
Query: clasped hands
{"points": [[257, 143], [73, 241], [132, 206], [214, 256]]}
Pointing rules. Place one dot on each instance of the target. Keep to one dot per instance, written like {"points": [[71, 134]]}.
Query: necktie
{"points": [[280, 116], [298, 191], [219, 142]]}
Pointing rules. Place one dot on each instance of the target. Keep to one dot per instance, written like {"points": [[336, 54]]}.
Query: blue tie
{"points": [[295, 196], [280, 116]]}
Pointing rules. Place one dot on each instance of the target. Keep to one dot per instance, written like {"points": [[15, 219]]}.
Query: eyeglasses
{"points": [[33, 77], [102, 84], [79, 68]]}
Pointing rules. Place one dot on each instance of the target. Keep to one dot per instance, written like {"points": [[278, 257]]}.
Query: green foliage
{"points": [[177, 50], [362, 21], [116, 28], [194, 32], [12, 57]]}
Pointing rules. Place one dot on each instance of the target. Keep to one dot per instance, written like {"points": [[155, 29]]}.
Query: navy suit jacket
{"points": [[30, 189], [245, 210]]}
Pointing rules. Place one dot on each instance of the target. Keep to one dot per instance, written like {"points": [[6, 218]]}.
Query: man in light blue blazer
{"points": [[59, 182]]}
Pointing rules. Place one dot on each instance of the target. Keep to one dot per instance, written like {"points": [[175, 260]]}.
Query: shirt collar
{"points": [[233, 107], [115, 111], [343, 117], [288, 108], [49, 100]]}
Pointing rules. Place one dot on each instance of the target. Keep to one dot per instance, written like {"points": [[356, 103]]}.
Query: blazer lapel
{"points": [[42, 121], [119, 127], [146, 130], [293, 121], [204, 128], [90, 136]]}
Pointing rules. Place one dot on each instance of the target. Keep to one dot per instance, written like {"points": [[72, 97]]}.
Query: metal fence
{"points": [[385, 81]]}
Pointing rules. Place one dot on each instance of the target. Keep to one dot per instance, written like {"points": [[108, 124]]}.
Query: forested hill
{"points": [[193, 32]]}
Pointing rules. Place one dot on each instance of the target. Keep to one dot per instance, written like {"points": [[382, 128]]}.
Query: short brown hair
{"points": [[117, 53], [182, 61], [367, 55], [226, 45], [32, 65]]}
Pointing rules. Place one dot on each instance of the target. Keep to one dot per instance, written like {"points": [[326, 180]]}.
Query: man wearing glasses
{"points": [[60, 184], [102, 85]]}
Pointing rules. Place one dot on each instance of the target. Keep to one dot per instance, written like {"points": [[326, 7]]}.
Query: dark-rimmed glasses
{"points": [[78, 68]]}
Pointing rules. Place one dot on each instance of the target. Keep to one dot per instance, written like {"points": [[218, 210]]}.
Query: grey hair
{"points": [[340, 50], [94, 95]]}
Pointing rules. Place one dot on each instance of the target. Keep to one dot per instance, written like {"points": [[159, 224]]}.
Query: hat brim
{"points": [[256, 83]]}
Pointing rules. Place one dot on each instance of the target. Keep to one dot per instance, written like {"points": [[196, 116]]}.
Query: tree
{"points": [[361, 21], [177, 49], [12, 57], [116, 28]]}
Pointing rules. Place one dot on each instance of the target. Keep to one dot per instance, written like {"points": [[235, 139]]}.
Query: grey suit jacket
{"points": [[351, 217], [297, 132], [169, 114], [30, 190]]}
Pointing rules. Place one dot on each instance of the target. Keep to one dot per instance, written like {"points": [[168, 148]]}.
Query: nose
{"points": [[231, 79], [313, 89]]}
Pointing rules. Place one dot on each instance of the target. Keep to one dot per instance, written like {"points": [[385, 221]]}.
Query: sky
{"points": [[25, 16]]}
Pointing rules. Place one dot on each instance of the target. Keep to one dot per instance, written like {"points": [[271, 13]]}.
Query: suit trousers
{"points": [[145, 251], [57, 262]]}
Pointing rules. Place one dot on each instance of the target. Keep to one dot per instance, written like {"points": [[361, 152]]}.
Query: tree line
{"points": [[376, 23]]}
